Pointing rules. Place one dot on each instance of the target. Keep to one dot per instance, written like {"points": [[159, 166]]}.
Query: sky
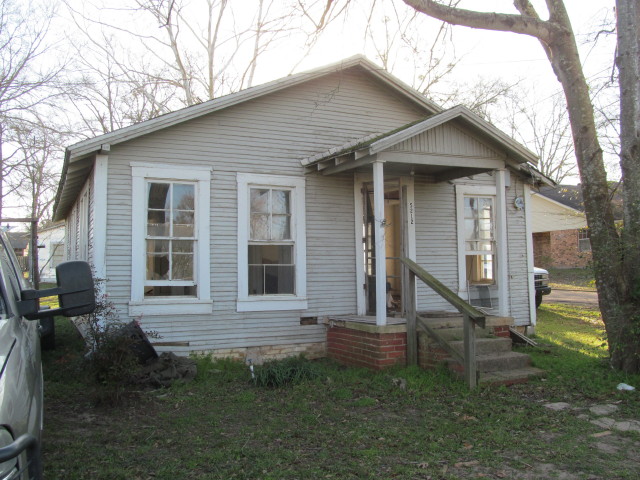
{"points": [[510, 57]]}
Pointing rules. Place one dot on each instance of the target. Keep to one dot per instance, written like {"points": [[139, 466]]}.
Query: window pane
{"points": [[181, 246], [469, 207], [183, 196], [469, 232], [280, 201], [182, 266], [183, 224], [157, 266], [158, 194], [259, 200], [256, 280], [281, 229], [167, 291], [158, 246], [260, 227], [278, 279], [270, 254], [480, 269], [157, 223]]}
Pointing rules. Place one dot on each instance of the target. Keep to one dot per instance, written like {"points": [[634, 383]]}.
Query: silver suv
{"points": [[20, 368]]}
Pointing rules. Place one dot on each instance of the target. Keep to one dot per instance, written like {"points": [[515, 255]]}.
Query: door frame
{"points": [[359, 180]]}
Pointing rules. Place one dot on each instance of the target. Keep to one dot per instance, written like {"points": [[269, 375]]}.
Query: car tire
{"points": [[538, 299], [47, 333]]}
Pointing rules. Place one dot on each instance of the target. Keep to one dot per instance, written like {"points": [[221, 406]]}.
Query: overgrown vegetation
{"points": [[289, 371], [349, 423]]}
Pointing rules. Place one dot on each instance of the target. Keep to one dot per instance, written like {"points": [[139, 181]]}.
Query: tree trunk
{"points": [[627, 357]]}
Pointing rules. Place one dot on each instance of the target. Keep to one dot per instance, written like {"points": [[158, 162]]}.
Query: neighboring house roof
{"points": [[548, 215], [52, 226], [19, 240], [571, 196]]}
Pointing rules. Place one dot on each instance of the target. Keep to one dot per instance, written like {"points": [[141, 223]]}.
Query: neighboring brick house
{"points": [[560, 236], [559, 226]]}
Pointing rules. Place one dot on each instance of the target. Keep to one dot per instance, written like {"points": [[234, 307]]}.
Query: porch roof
{"points": [[486, 149]]}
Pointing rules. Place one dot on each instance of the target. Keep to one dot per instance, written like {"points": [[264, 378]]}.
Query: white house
{"points": [[51, 250], [240, 223]]}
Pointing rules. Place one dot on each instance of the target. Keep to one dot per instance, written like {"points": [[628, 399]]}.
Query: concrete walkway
{"points": [[573, 297]]}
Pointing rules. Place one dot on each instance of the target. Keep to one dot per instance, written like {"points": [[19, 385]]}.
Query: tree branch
{"points": [[524, 24]]}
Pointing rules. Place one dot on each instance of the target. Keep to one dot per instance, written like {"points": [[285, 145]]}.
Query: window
{"points": [[271, 262], [170, 240], [584, 242], [479, 240], [271, 243]]}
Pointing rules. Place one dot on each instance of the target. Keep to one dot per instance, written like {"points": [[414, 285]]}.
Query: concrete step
{"points": [[503, 361], [457, 334], [510, 377], [486, 346], [455, 321], [500, 362]]}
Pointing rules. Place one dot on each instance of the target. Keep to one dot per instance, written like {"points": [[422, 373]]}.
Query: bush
{"points": [[289, 371], [111, 355]]}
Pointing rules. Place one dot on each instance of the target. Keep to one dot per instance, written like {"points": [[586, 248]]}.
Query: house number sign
{"points": [[411, 213]]}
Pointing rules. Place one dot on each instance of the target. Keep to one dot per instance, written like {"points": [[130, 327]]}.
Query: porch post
{"points": [[501, 241], [381, 251]]}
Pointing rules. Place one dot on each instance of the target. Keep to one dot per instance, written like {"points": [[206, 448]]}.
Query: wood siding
{"points": [[517, 255], [447, 139], [268, 135]]}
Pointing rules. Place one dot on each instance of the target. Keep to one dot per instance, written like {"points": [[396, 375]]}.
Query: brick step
{"points": [[510, 377], [486, 346]]}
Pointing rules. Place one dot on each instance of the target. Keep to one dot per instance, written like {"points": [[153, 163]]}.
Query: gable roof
{"points": [[188, 113], [375, 143], [571, 196], [549, 215], [78, 162]]}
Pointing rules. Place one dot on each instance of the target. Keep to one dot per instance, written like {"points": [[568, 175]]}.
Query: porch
{"points": [[357, 340]]}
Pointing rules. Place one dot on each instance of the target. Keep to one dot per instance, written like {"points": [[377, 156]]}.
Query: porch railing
{"points": [[471, 318]]}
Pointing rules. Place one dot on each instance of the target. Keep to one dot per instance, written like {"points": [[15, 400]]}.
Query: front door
{"points": [[395, 245]]}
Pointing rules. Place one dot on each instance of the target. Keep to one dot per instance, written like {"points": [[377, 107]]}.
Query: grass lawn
{"points": [[572, 278], [349, 423]]}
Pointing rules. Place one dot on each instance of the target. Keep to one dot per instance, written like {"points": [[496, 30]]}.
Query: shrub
{"points": [[111, 355], [290, 371]]}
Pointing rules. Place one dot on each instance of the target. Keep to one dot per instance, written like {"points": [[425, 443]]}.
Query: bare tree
{"points": [[25, 84], [616, 258], [35, 178], [545, 129]]}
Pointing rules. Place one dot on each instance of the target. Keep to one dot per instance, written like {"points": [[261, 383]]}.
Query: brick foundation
{"points": [[365, 345], [259, 355]]}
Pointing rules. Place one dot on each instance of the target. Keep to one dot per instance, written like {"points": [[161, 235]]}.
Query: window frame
{"points": [[462, 192], [584, 240], [272, 302], [142, 175], [492, 241]]}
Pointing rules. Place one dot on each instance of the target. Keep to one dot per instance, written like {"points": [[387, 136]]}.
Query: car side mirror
{"points": [[75, 291]]}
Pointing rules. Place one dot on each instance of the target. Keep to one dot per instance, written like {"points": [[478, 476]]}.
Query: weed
{"points": [[277, 373]]}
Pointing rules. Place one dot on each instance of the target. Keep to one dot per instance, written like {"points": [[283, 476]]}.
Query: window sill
{"points": [[170, 306], [269, 304]]}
